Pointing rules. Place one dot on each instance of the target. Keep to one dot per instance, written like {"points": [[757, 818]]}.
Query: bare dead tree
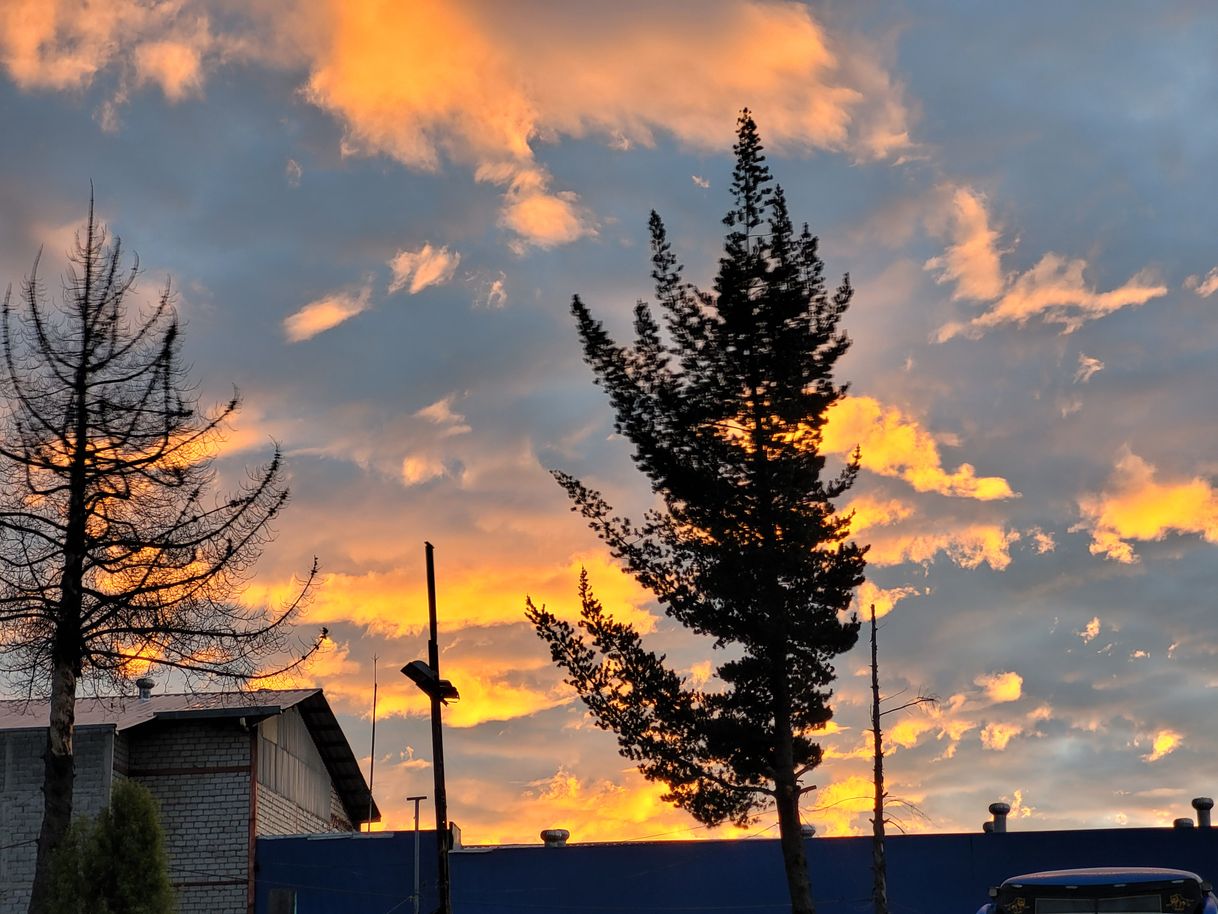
{"points": [[879, 860], [114, 549]]}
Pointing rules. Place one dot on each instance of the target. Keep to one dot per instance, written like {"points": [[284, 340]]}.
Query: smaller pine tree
{"points": [[116, 864]]}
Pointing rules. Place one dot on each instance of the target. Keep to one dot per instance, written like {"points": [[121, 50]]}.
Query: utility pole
{"points": [[427, 677], [437, 738]]}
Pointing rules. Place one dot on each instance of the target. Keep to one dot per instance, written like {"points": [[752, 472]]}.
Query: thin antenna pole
{"points": [[879, 860], [437, 740], [415, 896], [372, 752]]}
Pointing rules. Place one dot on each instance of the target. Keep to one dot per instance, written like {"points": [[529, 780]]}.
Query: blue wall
{"points": [[927, 874], [342, 873]]}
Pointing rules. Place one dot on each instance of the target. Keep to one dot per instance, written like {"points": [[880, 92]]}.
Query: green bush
{"points": [[115, 864]]}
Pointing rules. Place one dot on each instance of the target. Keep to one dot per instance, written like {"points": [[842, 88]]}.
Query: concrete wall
{"points": [[21, 800]]}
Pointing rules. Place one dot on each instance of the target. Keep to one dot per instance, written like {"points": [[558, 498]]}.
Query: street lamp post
{"points": [[415, 896], [427, 677]]}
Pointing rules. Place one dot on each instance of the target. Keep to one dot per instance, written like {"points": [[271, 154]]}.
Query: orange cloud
{"points": [[1001, 687], [1091, 630], [394, 602], [428, 266], [969, 546], [1054, 290], [1166, 742], [841, 805], [325, 314], [1135, 506], [896, 534], [869, 512], [486, 695], [972, 262], [895, 445], [996, 736], [485, 85], [64, 44], [883, 599], [627, 807]]}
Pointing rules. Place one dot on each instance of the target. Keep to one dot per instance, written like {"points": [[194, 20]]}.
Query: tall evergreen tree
{"points": [[725, 406]]}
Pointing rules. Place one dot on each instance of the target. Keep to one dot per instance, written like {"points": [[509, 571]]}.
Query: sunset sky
{"points": [[375, 213]]}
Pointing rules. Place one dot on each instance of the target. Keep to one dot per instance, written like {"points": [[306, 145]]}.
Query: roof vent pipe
{"points": [[144, 684], [1203, 805], [807, 831], [987, 827], [555, 837], [1000, 811], [1184, 822]]}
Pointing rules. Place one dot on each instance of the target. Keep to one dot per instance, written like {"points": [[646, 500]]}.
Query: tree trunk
{"points": [[792, 840], [879, 863], [59, 772], [60, 769]]}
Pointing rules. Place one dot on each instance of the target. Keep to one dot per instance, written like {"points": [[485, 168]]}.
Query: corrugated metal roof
{"points": [[124, 712]]}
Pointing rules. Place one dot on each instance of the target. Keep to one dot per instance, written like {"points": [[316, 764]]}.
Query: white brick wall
{"points": [[21, 801], [199, 772], [205, 809]]}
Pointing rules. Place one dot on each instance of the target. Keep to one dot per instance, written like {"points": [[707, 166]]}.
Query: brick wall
{"points": [[199, 773], [21, 800]]}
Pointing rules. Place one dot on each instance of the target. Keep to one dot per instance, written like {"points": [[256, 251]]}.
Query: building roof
{"points": [[125, 711], [1124, 875]]}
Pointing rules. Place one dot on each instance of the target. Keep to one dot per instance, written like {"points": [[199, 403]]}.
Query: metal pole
{"points": [[437, 743], [372, 751], [415, 896]]}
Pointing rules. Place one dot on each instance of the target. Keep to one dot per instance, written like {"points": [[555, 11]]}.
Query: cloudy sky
{"points": [[374, 215]]}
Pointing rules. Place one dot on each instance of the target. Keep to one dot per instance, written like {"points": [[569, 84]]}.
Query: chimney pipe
{"points": [[555, 837], [145, 684], [1000, 811], [1184, 822], [987, 827], [1203, 805]]}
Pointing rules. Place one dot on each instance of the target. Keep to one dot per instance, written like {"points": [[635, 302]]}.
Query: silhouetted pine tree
{"points": [[725, 406]]}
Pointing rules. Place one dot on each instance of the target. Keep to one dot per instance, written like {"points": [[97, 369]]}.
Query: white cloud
{"points": [[428, 266], [441, 413], [325, 314], [420, 468], [492, 293], [1205, 287], [293, 172], [1087, 368], [700, 181]]}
